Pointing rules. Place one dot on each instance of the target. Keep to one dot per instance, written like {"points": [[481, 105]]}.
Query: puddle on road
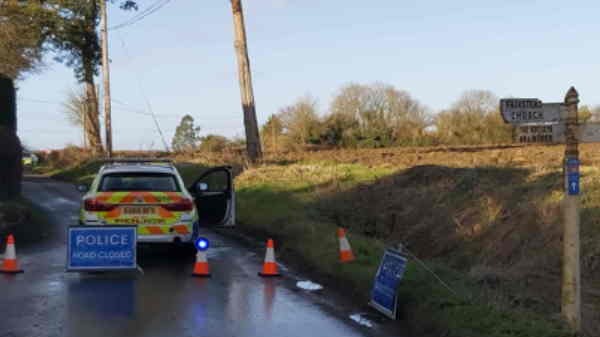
{"points": [[217, 251], [358, 318], [308, 285], [102, 298], [55, 204]]}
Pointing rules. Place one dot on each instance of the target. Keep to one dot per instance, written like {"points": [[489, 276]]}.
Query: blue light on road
{"points": [[202, 244]]}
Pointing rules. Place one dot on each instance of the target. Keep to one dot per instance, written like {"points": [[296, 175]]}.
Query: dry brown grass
{"points": [[491, 212]]}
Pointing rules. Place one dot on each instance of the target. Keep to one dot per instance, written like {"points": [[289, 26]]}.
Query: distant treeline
{"points": [[380, 115], [371, 116]]}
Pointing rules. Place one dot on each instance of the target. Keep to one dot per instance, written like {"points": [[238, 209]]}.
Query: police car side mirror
{"points": [[83, 188]]}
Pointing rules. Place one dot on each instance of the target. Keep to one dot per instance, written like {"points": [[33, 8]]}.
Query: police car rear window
{"points": [[155, 182]]}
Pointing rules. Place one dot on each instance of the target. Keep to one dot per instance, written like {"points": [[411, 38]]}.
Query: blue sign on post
{"points": [[96, 248], [384, 295], [573, 176]]}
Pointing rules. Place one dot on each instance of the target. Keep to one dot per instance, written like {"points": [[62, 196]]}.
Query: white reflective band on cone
{"points": [[201, 256], [270, 256], [344, 244], [10, 253]]}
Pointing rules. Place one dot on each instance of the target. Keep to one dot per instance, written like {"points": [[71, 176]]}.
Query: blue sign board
{"points": [[95, 248], [573, 176], [384, 295]]}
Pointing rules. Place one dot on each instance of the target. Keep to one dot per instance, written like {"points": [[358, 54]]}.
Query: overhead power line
{"points": [[146, 99], [141, 15], [42, 131], [124, 107], [33, 100]]}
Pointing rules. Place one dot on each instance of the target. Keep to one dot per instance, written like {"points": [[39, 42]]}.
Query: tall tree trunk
{"points": [[88, 60], [11, 166], [92, 117]]}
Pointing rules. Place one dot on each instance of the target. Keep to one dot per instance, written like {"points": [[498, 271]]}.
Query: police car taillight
{"points": [[184, 205], [93, 205]]}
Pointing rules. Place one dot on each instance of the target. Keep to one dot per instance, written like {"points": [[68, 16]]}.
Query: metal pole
{"points": [[571, 282], [250, 123], [106, 78]]}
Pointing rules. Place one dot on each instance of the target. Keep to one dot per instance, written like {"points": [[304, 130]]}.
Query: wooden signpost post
{"points": [[571, 279], [558, 123]]}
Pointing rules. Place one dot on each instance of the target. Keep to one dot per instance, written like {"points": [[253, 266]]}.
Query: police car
{"points": [[29, 159], [151, 195]]}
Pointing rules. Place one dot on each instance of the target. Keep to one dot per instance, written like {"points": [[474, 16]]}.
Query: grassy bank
{"points": [[26, 221], [302, 204], [486, 220]]}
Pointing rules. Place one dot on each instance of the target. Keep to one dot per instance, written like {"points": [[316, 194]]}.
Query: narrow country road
{"points": [[164, 300]]}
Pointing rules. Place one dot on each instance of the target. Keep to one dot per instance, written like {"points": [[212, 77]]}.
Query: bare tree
{"points": [[300, 121], [75, 107], [272, 133], [473, 119], [379, 114], [589, 114]]}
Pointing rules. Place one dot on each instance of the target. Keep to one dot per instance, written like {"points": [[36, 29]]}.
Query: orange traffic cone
{"points": [[10, 264], [346, 254], [270, 266], [201, 268]]}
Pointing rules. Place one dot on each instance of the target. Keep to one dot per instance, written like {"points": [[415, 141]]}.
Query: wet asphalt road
{"points": [[164, 300]]}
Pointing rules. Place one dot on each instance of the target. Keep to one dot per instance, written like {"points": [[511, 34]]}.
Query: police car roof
{"points": [[137, 168]]}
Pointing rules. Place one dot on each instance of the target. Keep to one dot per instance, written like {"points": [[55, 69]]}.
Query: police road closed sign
{"points": [[384, 295], [95, 248]]}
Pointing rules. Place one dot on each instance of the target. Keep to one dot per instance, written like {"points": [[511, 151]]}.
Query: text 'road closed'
{"points": [[101, 248]]}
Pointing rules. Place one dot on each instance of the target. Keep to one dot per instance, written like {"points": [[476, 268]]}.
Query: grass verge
{"points": [[459, 218], [25, 220], [293, 204]]}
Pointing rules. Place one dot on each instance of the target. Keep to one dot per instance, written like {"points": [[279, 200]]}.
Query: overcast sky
{"points": [[181, 59]]}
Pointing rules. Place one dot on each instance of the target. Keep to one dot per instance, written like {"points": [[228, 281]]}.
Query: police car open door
{"points": [[214, 196]]}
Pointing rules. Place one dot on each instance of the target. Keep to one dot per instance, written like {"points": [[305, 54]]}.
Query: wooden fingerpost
{"points": [[571, 279]]}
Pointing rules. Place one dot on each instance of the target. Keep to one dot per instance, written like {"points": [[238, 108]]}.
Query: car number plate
{"points": [[138, 210]]}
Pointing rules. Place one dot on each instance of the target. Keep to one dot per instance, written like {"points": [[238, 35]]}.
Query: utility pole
{"points": [[253, 147], [571, 279], [106, 78]]}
